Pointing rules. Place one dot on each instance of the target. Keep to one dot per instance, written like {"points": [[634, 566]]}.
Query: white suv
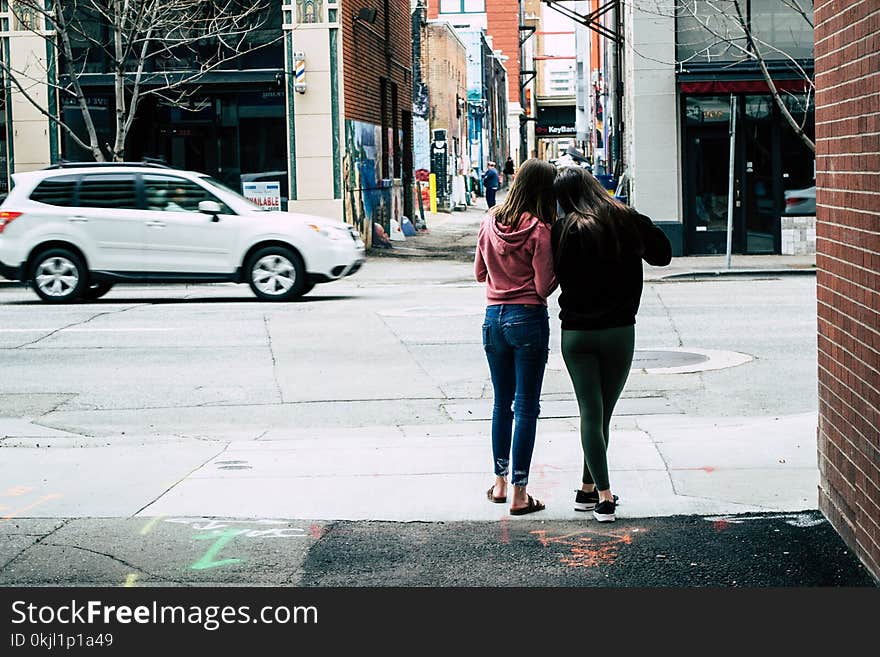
{"points": [[73, 230]]}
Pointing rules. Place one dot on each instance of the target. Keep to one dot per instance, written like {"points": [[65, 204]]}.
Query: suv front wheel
{"points": [[59, 276], [276, 273]]}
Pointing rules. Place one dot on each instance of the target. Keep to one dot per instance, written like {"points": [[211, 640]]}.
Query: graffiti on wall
{"points": [[421, 144], [368, 198]]}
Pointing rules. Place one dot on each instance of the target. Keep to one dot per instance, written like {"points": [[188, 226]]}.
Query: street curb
{"points": [[721, 273]]}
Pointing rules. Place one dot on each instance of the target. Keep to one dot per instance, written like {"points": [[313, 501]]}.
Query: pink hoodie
{"points": [[517, 264]]}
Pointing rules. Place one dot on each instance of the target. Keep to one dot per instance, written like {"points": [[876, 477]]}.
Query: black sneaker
{"points": [[604, 511], [587, 501]]}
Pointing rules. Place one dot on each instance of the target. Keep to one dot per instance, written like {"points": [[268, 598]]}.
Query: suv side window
{"points": [[58, 190], [108, 191], [171, 194]]}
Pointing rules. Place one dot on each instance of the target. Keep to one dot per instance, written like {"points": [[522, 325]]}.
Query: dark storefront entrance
{"points": [[226, 133], [772, 165]]}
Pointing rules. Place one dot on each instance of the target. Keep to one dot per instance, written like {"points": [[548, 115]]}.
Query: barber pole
{"points": [[299, 81]]}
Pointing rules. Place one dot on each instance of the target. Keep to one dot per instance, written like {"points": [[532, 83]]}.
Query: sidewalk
{"points": [[454, 234]]}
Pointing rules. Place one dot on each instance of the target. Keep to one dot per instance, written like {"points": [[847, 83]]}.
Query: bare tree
{"points": [[159, 48], [721, 30]]}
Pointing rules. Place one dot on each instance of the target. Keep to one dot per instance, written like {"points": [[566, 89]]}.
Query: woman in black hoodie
{"points": [[598, 248]]}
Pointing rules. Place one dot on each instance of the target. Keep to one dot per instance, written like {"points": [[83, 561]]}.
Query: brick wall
{"points": [[502, 19], [445, 69], [502, 24], [848, 261], [364, 58]]}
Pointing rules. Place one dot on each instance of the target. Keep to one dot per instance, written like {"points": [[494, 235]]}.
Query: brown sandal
{"points": [[497, 500], [533, 505]]}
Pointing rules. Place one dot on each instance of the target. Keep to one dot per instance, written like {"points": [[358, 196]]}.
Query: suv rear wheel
{"points": [[276, 273], [59, 276]]}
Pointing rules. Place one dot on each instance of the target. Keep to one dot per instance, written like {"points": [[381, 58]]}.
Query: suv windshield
{"points": [[226, 188]]}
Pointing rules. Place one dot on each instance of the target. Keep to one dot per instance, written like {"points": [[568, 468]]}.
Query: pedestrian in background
{"points": [[509, 170], [491, 183], [598, 248], [515, 259]]}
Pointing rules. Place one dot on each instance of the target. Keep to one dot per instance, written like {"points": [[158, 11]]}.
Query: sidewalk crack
{"points": [[274, 361], [79, 323], [668, 316], [183, 478], [42, 538]]}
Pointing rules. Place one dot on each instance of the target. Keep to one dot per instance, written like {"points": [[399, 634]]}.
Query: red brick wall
{"points": [[848, 277], [502, 24], [363, 53], [502, 19]]}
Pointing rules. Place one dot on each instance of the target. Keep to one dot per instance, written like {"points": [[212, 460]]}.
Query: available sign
{"points": [[265, 194]]}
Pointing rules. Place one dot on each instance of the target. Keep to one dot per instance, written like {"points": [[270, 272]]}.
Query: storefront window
{"points": [[798, 162], [712, 32], [783, 28], [708, 32]]}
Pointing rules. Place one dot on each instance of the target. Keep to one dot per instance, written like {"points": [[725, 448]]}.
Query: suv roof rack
{"points": [[147, 162]]}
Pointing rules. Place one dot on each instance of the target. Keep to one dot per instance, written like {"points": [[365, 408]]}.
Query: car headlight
{"points": [[331, 232]]}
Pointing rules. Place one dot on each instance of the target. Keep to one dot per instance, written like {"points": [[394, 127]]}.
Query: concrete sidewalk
{"points": [[453, 235]]}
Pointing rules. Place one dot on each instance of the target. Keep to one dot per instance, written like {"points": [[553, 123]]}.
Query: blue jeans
{"points": [[516, 338]]}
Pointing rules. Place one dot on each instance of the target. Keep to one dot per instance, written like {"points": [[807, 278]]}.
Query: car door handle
{"points": [[156, 224], [78, 220]]}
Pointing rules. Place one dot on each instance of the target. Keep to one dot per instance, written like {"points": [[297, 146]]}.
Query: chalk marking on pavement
{"points": [[221, 539], [18, 512], [589, 548], [793, 519], [146, 529], [505, 530], [131, 580]]}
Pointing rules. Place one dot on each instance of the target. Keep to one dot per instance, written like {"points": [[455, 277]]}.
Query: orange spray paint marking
{"points": [[720, 525], [17, 491], [18, 512], [505, 530], [588, 549], [316, 530]]}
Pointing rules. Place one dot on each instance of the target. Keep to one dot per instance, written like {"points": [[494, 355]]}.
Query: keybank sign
{"points": [[554, 130], [555, 121]]}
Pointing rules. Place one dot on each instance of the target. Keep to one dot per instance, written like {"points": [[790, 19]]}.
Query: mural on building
{"points": [[309, 11], [368, 198]]}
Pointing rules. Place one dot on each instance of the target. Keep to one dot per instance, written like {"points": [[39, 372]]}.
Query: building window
{"points": [[462, 6], [711, 31]]}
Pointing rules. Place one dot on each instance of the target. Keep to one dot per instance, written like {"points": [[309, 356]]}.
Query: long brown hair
{"points": [[590, 208], [532, 192]]}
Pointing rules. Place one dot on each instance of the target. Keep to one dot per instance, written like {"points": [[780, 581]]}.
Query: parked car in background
{"points": [[801, 201], [74, 230]]}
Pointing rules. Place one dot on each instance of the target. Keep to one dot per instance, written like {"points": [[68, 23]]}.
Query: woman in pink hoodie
{"points": [[515, 259]]}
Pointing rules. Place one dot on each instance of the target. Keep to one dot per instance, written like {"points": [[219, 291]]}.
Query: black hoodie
{"points": [[600, 290]]}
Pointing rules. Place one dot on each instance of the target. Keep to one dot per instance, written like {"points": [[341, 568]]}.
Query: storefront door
{"points": [[758, 175]]}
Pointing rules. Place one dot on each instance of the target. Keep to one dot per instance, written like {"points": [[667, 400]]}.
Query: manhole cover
{"points": [[654, 359]]}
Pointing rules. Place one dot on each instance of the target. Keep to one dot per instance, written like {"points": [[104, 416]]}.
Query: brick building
{"points": [[499, 20], [444, 67], [377, 109], [848, 260]]}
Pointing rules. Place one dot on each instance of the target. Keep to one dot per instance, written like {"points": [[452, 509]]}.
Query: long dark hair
{"points": [[590, 209], [532, 192]]}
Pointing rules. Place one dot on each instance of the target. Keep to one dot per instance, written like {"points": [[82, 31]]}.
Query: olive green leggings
{"points": [[598, 363]]}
